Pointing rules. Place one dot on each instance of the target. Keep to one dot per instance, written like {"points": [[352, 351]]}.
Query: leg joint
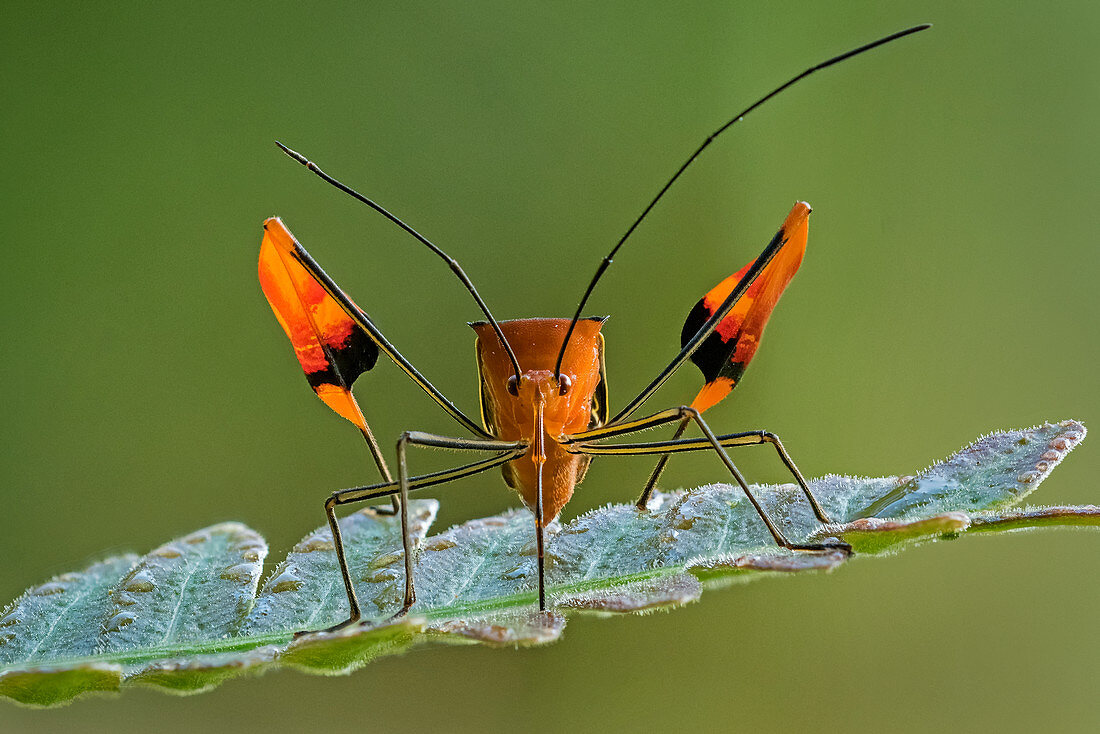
{"points": [[686, 411]]}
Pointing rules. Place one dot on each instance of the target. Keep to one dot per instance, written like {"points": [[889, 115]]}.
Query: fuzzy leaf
{"points": [[193, 589], [306, 590], [186, 617], [53, 619]]}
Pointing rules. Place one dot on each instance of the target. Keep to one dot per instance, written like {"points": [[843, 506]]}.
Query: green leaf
{"points": [[192, 589], [187, 616], [54, 618], [306, 591]]}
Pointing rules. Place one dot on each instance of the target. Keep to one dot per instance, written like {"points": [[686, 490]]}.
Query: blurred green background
{"points": [[948, 290]]}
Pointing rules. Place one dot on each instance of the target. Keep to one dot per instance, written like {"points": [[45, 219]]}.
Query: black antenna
{"points": [[610, 256], [421, 238]]}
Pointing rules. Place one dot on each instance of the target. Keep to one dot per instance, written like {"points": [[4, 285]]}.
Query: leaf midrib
{"points": [[64, 611], [191, 569], [140, 655]]}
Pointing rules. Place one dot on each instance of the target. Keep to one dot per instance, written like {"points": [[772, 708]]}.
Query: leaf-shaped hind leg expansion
{"points": [[584, 443], [506, 451]]}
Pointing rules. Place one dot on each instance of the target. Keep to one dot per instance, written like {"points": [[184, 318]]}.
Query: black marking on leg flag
{"points": [[357, 354], [713, 357]]}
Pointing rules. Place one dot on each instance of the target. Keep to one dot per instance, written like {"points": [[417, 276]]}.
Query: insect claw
{"points": [[827, 546], [334, 628], [401, 613]]}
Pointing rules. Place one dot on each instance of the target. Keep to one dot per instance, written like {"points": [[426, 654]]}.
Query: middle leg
{"points": [[584, 443], [746, 438]]}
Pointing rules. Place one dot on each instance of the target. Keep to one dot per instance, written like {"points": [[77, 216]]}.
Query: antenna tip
{"points": [[293, 154], [904, 33]]}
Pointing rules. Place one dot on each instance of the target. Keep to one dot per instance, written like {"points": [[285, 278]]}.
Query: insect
{"points": [[543, 385]]}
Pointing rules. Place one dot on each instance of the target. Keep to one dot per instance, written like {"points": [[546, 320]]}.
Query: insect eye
{"points": [[513, 386], [564, 383]]}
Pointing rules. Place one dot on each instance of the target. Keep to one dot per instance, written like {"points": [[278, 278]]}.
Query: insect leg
{"points": [[760, 437], [711, 324], [510, 449], [622, 428], [655, 475], [392, 489], [383, 468], [711, 442], [363, 321]]}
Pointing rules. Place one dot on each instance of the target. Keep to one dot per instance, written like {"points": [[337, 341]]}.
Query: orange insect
{"points": [[544, 407]]}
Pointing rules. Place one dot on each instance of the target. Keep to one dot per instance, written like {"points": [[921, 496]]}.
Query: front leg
{"points": [[511, 449], [505, 450]]}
